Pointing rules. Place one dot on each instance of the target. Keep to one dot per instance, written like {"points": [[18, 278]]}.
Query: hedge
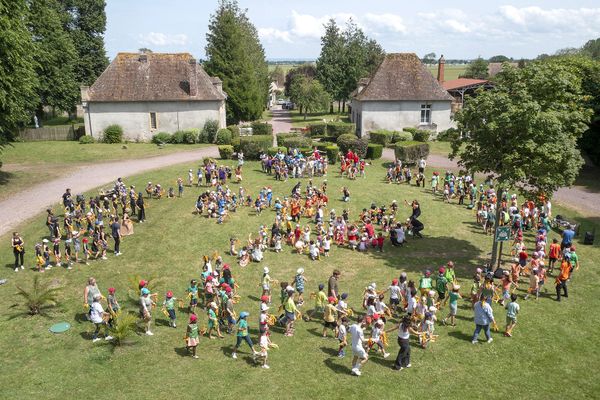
{"points": [[273, 150], [322, 146], [113, 134], [235, 130], [253, 146], [284, 135], [187, 136], [403, 137], [86, 139], [295, 142], [449, 135], [336, 129], [225, 151], [261, 128], [421, 135], [235, 142], [318, 128], [332, 153], [352, 142], [382, 136], [224, 136], [411, 152], [161, 138], [374, 151]]}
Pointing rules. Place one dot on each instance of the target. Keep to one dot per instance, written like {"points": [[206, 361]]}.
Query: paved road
{"points": [[281, 121], [26, 204], [577, 197]]}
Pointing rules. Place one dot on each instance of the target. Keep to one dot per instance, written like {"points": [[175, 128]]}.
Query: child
{"points": [[68, 254], [97, 317], [213, 321], [313, 251], [266, 283], [453, 304], [277, 243], [56, 251], [427, 329], [86, 250], [190, 177], [193, 295], [342, 337], [320, 300], [425, 282], [512, 309], [342, 306], [394, 290], [299, 281], [534, 284], [242, 334], [553, 254], [506, 285], [169, 305], [180, 186], [330, 317], [379, 242], [378, 336], [113, 303], [263, 354], [345, 194], [327, 245], [191, 336]]}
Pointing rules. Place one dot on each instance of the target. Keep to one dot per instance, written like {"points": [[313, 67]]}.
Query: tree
{"points": [[592, 49], [429, 58], [477, 69], [235, 55], [567, 51], [499, 59], [86, 23], [307, 70], [144, 50], [277, 76], [309, 95], [330, 62], [54, 56], [18, 80]]}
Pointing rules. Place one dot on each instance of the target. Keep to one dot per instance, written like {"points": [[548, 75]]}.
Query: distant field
{"points": [[450, 71], [285, 67]]}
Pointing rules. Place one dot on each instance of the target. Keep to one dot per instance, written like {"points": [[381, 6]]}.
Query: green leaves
{"points": [[478, 69], [40, 297], [309, 95]]}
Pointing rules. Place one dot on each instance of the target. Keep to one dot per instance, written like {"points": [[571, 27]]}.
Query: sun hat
{"points": [[321, 286], [111, 290], [331, 299], [143, 283], [300, 271], [145, 291], [264, 298], [227, 289], [266, 270], [169, 294], [193, 318], [427, 272], [344, 295], [394, 281], [263, 307], [442, 270], [213, 304], [244, 314], [375, 316]]}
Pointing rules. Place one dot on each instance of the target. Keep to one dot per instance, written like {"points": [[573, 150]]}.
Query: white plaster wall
{"points": [[395, 115], [134, 117]]}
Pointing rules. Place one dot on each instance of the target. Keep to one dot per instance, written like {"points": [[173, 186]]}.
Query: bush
{"points": [[178, 137], [113, 134], [382, 136], [410, 129], [332, 153], [235, 142], [208, 160], [86, 139], [411, 152], [421, 135], [235, 130], [190, 135], [224, 136], [322, 146], [305, 150], [295, 142], [252, 146], [449, 135], [225, 151], [273, 150], [352, 142], [261, 128], [336, 129], [403, 137], [374, 151], [318, 129], [209, 132], [161, 138], [283, 135]]}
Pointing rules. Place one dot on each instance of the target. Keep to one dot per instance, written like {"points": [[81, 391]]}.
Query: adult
{"points": [[416, 209], [404, 331], [358, 350], [567, 238], [332, 284], [91, 290], [484, 316], [116, 234], [563, 277], [416, 226], [50, 222], [397, 235], [18, 246], [141, 209], [67, 199], [422, 165]]}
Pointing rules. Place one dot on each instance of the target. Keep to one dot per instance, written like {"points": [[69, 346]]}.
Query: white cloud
{"points": [[273, 35], [456, 26], [309, 26], [163, 39], [388, 22], [556, 20]]}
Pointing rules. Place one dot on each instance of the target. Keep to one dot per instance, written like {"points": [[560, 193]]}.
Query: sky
{"points": [[292, 29]]}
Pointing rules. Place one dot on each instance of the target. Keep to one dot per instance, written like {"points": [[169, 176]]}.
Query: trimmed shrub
{"points": [[374, 151], [252, 146], [332, 153], [411, 152], [235, 142], [421, 135], [190, 135], [336, 129], [305, 150], [225, 151], [209, 132], [273, 150], [283, 136], [178, 137], [86, 139], [382, 136], [449, 135], [322, 146], [161, 138], [113, 134], [410, 129], [352, 142], [208, 160], [261, 128], [318, 129], [235, 130], [295, 142], [224, 136], [403, 137]]}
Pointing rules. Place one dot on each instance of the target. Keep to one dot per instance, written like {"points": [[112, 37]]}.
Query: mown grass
{"points": [[554, 348], [299, 121]]}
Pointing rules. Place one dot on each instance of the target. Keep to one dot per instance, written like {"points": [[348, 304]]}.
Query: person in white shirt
{"points": [[96, 316], [422, 165], [360, 355]]}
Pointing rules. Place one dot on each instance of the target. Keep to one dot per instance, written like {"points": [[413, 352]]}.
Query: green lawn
{"points": [[554, 343], [299, 121], [450, 71]]}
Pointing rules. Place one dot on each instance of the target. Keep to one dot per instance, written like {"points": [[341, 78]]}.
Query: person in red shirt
{"points": [[553, 254], [370, 230], [380, 239]]}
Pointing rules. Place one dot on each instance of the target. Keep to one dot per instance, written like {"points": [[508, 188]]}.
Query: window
{"points": [[425, 114], [153, 121]]}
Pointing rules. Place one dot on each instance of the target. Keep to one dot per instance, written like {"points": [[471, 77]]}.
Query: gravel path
{"points": [[281, 121], [579, 198], [26, 204]]}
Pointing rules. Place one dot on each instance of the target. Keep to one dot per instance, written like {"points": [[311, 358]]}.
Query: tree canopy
{"points": [[477, 69], [236, 56], [592, 49], [309, 95], [525, 131], [307, 70], [499, 59], [429, 58]]}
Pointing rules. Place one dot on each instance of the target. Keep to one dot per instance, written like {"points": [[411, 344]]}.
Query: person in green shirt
{"points": [[425, 283], [169, 306], [441, 284], [213, 321], [193, 295], [291, 312], [574, 258], [450, 274], [242, 334], [512, 309], [191, 336], [320, 301], [453, 303]]}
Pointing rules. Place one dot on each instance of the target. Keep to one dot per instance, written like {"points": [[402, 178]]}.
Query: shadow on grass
{"points": [[182, 351], [337, 368], [6, 177], [461, 335], [329, 351]]}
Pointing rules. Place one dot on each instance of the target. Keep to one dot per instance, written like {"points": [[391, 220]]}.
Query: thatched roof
{"points": [[155, 77], [402, 76], [495, 67]]}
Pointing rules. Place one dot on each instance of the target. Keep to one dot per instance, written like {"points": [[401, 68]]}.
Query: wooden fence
{"points": [[63, 132]]}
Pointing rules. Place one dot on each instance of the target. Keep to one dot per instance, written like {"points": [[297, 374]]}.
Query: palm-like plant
{"points": [[41, 296], [123, 327], [133, 282]]}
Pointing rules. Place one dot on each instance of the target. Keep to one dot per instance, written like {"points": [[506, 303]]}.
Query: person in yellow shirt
{"points": [[320, 301], [330, 317]]}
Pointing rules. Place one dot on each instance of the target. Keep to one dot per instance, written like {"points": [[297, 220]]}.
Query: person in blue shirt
{"points": [[484, 316], [567, 238]]}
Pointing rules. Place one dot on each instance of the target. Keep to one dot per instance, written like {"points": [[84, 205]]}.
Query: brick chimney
{"points": [[193, 77], [441, 63]]}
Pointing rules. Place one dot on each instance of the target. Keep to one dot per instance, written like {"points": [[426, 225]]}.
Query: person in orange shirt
{"points": [[553, 254], [563, 277]]}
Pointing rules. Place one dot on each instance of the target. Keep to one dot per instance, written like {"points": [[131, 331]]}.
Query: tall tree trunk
{"points": [[331, 108], [339, 106], [343, 106]]}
